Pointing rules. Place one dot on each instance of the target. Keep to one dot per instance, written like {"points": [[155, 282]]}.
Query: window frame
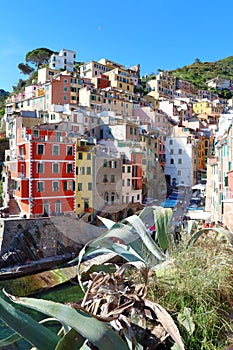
{"points": [[38, 147], [58, 148], [55, 189], [38, 185]]}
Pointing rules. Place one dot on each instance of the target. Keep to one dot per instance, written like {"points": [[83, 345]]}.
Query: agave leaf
{"points": [[125, 251], [219, 230], [162, 217], [166, 320], [97, 332], [191, 225], [147, 211], [130, 343], [71, 340], [85, 347], [107, 222], [186, 320], [139, 226], [10, 340], [27, 327]]}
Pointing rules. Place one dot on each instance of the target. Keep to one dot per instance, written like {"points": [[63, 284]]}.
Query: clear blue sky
{"points": [[162, 34]]}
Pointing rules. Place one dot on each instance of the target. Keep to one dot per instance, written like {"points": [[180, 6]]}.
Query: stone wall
{"points": [[49, 235]]}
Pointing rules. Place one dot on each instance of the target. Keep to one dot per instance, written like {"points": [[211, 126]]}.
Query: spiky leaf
{"points": [[162, 218], [97, 332], [24, 325]]}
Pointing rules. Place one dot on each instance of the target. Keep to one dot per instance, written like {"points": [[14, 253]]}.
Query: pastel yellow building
{"points": [[207, 107], [120, 79], [84, 178], [117, 101]]}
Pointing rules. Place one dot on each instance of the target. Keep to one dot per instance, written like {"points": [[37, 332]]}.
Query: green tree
{"points": [[21, 84], [39, 56], [197, 60], [25, 68]]}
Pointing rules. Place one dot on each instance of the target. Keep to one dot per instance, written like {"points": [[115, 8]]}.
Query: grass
{"points": [[200, 279]]}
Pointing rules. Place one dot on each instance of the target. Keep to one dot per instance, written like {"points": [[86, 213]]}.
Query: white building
{"points": [[64, 60], [219, 83], [181, 159]]}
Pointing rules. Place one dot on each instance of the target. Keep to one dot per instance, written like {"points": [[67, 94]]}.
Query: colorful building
{"points": [[41, 179], [85, 180]]}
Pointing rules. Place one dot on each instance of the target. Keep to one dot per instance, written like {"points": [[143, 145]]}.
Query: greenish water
{"points": [[67, 292]]}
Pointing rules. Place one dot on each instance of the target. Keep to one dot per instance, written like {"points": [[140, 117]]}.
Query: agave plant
{"points": [[115, 312]]}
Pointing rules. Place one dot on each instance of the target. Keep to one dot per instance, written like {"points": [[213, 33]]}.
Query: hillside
{"points": [[3, 94], [200, 72]]}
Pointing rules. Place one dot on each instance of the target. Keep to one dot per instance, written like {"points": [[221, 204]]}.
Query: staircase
{"points": [[13, 207]]}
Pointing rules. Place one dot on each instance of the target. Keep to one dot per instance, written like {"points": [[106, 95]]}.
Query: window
{"points": [[123, 182], [105, 178], [89, 156], [58, 136], [69, 185], [55, 186], [179, 161], [55, 168], [88, 170], [89, 186], [69, 168], [180, 151], [36, 133], [82, 170], [128, 169], [76, 172], [80, 155], [113, 164], [112, 179], [170, 142], [123, 169], [172, 161], [80, 186], [106, 197], [65, 89], [58, 207], [69, 150], [105, 163], [65, 186], [128, 182], [40, 149], [40, 186], [171, 151], [40, 168], [56, 150]]}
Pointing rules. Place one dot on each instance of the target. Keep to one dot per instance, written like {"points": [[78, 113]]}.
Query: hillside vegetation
{"points": [[199, 72]]}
